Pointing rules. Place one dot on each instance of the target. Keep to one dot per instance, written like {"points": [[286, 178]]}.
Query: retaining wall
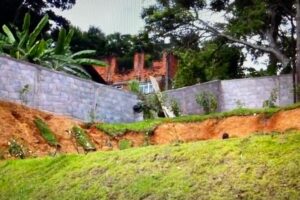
{"points": [[248, 92], [64, 94], [68, 95]]}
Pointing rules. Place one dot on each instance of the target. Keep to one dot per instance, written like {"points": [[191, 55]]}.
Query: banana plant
{"points": [[55, 55], [23, 44], [61, 58]]}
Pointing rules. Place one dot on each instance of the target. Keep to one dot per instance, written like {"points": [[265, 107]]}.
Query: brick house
{"points": [[163, 70]]}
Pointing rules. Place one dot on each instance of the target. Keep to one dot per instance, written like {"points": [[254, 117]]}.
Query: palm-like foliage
{"points": [[55, 55]]}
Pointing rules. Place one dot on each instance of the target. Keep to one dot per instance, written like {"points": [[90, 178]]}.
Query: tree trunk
{"points": [[298, 45]]}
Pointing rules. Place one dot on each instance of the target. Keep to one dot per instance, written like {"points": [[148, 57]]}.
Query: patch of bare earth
{"points": [[17, 122]]}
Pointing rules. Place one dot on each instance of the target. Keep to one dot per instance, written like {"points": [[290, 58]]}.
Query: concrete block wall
{"points": [[186, 96], [250, 92], [68, 95], [64, 94]]}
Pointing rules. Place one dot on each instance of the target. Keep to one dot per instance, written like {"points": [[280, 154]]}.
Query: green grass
{"points": [[82, 139], [148, 126], [257, 167], [46, 132], [125, 144]]}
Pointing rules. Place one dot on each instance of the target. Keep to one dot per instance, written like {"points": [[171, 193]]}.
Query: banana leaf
{"points": [[9, 34], [38, 29]]}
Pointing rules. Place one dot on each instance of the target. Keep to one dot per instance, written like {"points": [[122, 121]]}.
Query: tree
{"points": [[13, 11], [94, 38], [215, 60], [266, 26]]}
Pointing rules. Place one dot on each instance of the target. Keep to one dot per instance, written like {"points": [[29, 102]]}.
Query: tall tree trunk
{"points": [[298, 44]]}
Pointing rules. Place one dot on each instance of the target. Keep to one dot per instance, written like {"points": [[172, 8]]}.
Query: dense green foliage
{"points": [[57, 55], [83, 139], [256, 167], [46, 132], [262, 26], [94, 38], [121, 45], [148, 126], [214, 61], [12, 11]]}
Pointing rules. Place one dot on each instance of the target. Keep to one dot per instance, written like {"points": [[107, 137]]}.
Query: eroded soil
{"points": [[16, 122]]}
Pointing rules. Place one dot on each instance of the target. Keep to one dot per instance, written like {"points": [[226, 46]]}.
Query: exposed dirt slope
{"points": [[236, 126], [16, 122]]}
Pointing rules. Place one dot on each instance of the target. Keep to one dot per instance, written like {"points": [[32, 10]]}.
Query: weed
{"points": [[46, 132], [15, 149], [82, 139], [125, 144], [23, 93], [175, 107], [207, 101], [271, 102]]}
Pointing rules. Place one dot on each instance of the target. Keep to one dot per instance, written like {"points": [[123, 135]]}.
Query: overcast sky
{"points": [[110, 16]]}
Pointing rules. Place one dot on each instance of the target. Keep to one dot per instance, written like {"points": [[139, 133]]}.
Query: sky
{"points": [[110, 16]]}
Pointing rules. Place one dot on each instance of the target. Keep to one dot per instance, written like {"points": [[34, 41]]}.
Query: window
{"points": [[146, 88]]}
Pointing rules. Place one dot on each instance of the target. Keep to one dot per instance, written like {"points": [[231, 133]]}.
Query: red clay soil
{"points": [[16, 122], [236, 126]]}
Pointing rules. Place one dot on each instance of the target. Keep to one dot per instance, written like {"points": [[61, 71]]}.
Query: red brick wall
{"points": [[158, 70]]}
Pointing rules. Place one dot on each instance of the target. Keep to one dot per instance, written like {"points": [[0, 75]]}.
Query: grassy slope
{"points": [[148, 126], [258, 167]]}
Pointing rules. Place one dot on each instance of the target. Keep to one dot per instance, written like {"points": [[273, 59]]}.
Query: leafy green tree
{"points": [[262, 26], [215, 60], [12, 11], [94, 38]]}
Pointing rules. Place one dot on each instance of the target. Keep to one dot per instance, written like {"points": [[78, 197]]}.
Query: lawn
{"points": [[256, 167]]}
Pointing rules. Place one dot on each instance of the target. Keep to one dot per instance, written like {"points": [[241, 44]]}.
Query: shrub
{"points": [[15, 149], [46, 132], [134, 86], [152, 107], [207, 101], [82, 139], [175, 107], [125, 144], [271, 102]]}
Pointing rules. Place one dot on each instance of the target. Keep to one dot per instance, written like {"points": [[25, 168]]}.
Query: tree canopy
{"points": [[263, 26], [13, 11]]}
